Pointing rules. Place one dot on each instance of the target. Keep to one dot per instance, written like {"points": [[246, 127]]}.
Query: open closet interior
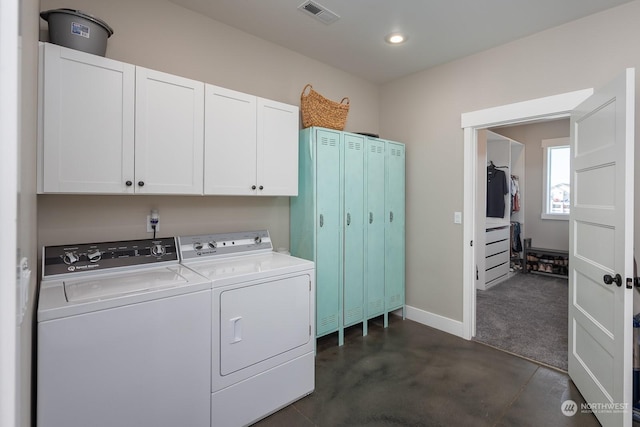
{"points": [[502, 196]]}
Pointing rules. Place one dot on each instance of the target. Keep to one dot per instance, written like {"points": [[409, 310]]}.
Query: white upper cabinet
{"points": [[87, 118], [277, 158], [251, 145], [107, 127], [230, 142], [169, 136]]}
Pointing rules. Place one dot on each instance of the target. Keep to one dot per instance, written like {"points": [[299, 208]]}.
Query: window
{"points": [[556, 191]]}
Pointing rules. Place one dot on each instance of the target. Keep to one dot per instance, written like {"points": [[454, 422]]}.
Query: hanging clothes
{"points": [[515, 194], [497, 188], [516, 241]]}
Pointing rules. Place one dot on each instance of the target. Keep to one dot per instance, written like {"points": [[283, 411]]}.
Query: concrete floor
{"points": [[413, 375]]}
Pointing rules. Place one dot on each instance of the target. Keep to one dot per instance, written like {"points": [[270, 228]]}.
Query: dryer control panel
{"points": [[224, 244], [84, 257]]}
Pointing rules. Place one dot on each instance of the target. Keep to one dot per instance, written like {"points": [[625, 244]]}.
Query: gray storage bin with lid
{"points": [[77, 30]]}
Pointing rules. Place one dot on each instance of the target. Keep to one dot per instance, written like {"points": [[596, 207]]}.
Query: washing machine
{"points": [[263, 302], [123, 337]]}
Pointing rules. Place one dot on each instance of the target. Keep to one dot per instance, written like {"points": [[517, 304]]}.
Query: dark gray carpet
{"points": [[526, 315]]}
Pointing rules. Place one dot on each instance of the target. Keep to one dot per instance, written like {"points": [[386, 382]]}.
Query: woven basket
{"points": [[319, 111]]}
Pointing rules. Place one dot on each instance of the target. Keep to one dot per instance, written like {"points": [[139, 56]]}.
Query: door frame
{"points": [[551, 107], [9, 84]]}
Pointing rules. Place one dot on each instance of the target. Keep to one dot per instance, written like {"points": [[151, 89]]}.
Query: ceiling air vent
{"points": [[319, 12]]}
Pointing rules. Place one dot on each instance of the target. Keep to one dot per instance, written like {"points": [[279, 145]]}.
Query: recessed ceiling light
{"points": [[395, 38]]}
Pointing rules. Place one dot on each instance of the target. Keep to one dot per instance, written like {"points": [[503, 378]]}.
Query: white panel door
{"points": [[277, 149], [88, 123], [230, 142], [601, 249], [169, 133]]}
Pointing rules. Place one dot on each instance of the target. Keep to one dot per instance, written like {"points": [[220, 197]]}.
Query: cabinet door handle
{"points": [[140, 183], [321, 220], [370, 217], [348, 219], [390, 216]]}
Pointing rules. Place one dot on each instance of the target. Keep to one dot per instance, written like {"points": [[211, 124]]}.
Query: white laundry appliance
{"points": [[263, 323], [124, 337]]}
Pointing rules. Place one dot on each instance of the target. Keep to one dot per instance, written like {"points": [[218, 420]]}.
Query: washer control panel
{"points": [[224, 244], [80, 258]]}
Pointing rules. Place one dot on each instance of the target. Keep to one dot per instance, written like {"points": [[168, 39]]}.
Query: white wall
{"points": [[545, 233], [424, 109], [161, 35]]}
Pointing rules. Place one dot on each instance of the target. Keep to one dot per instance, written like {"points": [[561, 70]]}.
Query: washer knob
{"points": [[258, 240], [70, 258], [94, 255], [158, 250], [197, 246], [213, 244]]}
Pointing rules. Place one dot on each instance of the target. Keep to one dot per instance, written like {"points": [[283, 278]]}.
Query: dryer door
{"points": [[263, 320]]}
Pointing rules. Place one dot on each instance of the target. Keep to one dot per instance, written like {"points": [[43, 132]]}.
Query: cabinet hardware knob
{"points": [[253, 187], [140, 183], [128, 183], [261, 188]]}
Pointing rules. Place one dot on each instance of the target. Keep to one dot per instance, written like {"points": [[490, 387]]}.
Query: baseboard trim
{"points": [[436, 321]]}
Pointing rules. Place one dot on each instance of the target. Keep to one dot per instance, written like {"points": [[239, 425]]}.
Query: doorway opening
{"points": [[521, 297], [541, 109]]}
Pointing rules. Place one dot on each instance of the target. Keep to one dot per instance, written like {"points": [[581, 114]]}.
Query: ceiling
{"points": [[438, 31]]}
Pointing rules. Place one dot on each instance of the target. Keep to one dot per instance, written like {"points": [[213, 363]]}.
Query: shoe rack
{"points": [[549, 262]]}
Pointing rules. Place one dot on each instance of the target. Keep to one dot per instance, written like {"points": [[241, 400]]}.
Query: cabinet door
{"points": [[353, 217], [88, 123], [329, 233], [375, 213], [229, 142], [394, 227], [169, 133], [277, 150]]}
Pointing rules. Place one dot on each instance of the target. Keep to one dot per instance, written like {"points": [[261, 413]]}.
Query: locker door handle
{"points": [[370, 217], [321, 220], [348, 218], [390, 216]]}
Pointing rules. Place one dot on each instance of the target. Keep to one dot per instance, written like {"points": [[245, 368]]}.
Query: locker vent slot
{"points": [[375, 305], [329, 320], [394, 299], [354, 145], [354, 313]]}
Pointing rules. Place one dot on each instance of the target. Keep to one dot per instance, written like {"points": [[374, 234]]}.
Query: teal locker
{"points": [[375, 225], [348, 185], [353, 219], [395, 227], [316, 222]]}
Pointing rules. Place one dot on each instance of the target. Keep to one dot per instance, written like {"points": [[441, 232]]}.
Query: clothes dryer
{"points": [[263, 302]]}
